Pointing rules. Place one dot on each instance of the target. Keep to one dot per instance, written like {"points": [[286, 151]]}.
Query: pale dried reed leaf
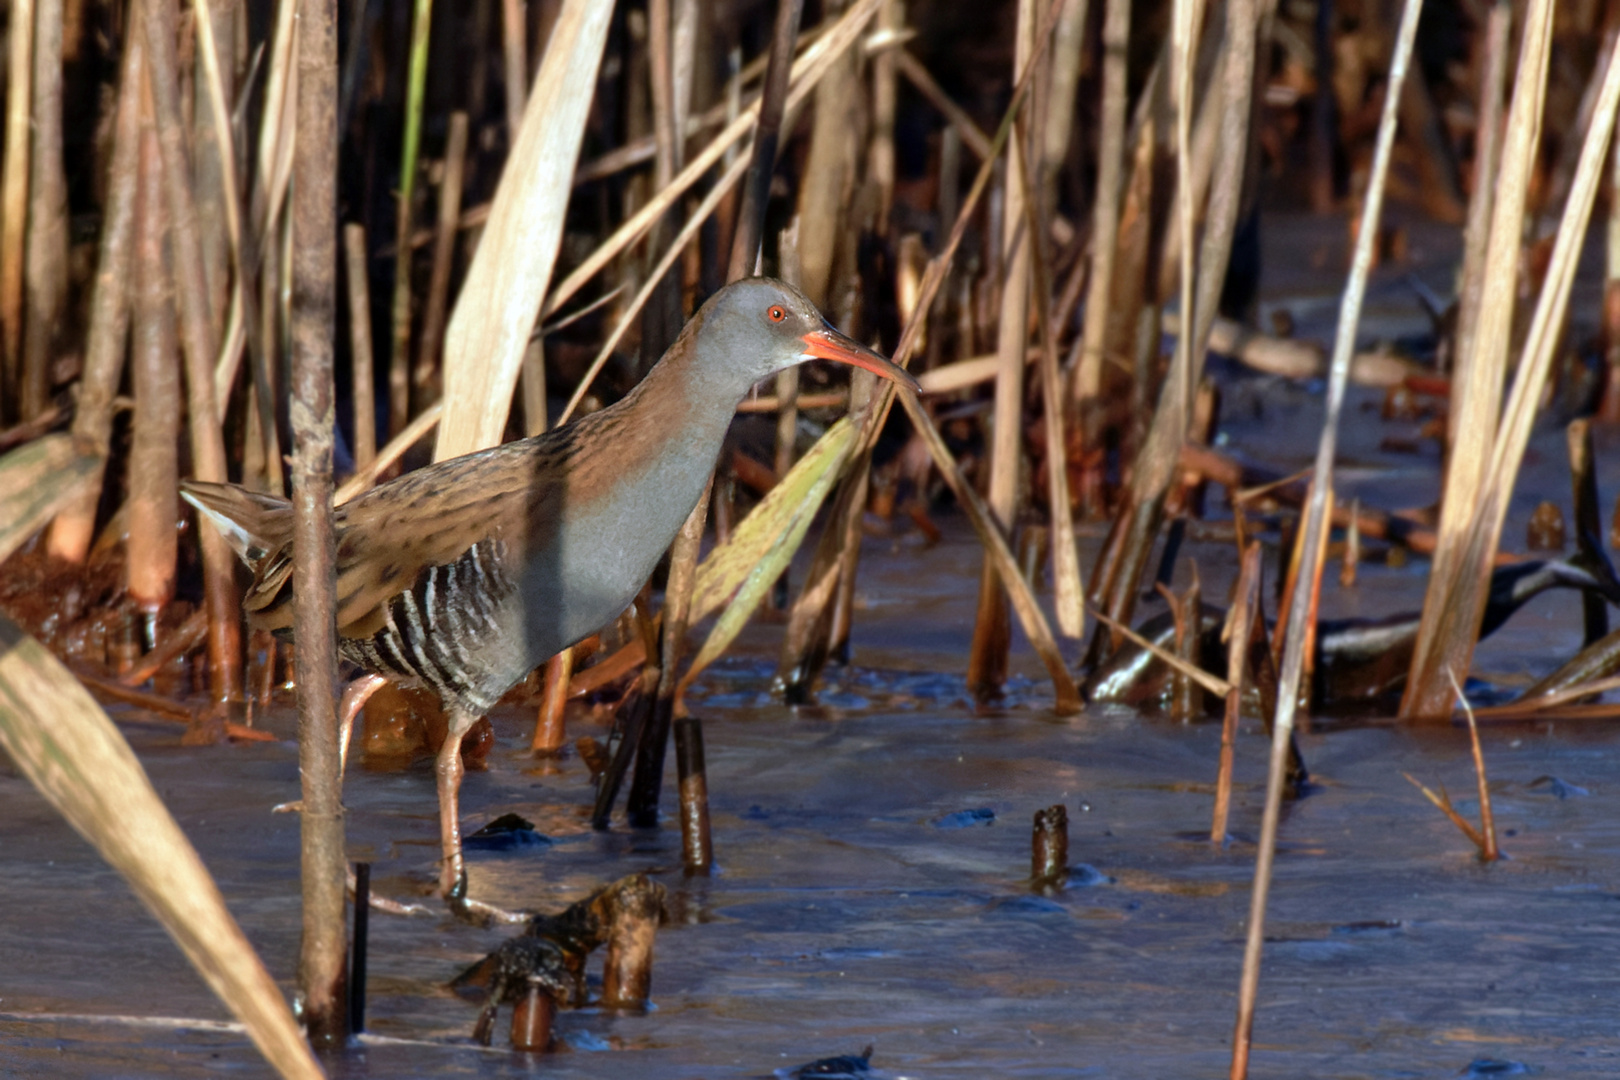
{"points": [[512, 269], [36, 480], [62, 741]]}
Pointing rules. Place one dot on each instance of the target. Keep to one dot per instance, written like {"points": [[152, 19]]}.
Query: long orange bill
{"points": [[829, 344]]}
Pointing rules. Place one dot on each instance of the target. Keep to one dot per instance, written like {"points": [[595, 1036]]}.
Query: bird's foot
{"points": [[477, 912]]}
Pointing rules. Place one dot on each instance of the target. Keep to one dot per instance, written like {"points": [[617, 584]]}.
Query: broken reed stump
{"points": [[543, 968], [1049, 849]]}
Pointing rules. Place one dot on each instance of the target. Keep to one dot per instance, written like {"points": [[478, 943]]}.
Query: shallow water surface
{"points": [[845, 912]]}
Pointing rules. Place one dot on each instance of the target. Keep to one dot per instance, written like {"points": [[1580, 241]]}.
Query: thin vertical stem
{"points": [[364, 391], [1282, 731], [399, 355], [992, 633], [313, 317], [444, 250], [47, 271], [745, 236], [14, 197], [514, 45]]}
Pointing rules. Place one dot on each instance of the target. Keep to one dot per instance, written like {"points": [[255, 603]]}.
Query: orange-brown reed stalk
{"points": [[154, 454], [1240, 632], [1484, 837]]}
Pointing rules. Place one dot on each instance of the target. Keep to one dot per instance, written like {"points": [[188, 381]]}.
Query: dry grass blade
{"points": [[35, 481], [807, 72], [1488, 851], [512, 269], [1282, 731], [1450, 630], [414, 432], [1443, 801], [1477, 386], [1213, 683], [60, 738], [1030, 616], [632, 311]]}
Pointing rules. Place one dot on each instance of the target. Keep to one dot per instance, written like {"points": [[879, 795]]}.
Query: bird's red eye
{"points": [[776, 313]]}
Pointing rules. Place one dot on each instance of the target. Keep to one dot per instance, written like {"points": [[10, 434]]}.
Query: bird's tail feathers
{"points": [[254, 525]]}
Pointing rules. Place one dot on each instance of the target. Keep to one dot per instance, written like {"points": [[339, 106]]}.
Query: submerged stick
{"points": [[1282, 731]]}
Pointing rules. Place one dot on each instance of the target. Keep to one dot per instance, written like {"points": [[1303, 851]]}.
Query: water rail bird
{"points": [[467, 574]]}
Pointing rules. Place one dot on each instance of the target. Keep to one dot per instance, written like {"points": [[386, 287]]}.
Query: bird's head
{"points": [[763, 326]]}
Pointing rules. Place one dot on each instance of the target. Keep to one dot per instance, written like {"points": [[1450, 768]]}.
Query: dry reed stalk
{"points": [[1105, 212], [514, 63], [363, 479], [1588, 525], [184, 638], [199, 336], [1213, 683], [364, 378], [1155, 463], [1186, 21], [808, 638], [222, 147], [1442, 801], [550, 734], [1488, 851], [495, 311], [747, 233], [787, 381], [807, 73], [275, 131], [992, 629], [415, 87], [213, 149], [1477, 382], [1452, 624], [14, 199], [960, 121], [444, 252], [74, 527], [154, 454], [62, 740], [1287, 703], [313, 316], [1352, 546], [1487, 157], [1068, 587], [45, 286], [683, 63], [1058, 103], [829, 176], [710, 203], [1240, 636], [1201, 169], [885, 99]]}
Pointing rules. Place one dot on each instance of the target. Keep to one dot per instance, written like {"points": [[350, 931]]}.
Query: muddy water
{"points": [[873, 855]]}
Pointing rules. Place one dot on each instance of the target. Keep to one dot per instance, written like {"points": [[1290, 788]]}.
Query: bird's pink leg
{"points": [[355, 696], [449, 770], [452, 873]]}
